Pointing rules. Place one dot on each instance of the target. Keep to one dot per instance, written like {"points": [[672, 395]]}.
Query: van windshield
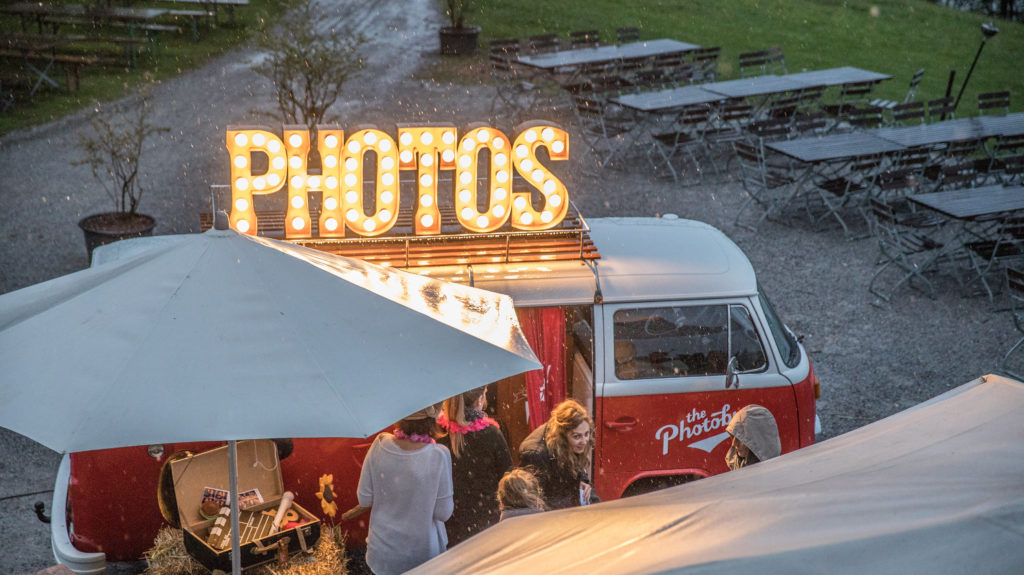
{"points": [[789, 349]]}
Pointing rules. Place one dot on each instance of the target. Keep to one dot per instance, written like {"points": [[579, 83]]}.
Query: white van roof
{"points": [[642, 259]]}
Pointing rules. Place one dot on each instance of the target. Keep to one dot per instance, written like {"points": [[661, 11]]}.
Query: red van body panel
{"points": [[113, 502], [677, 434]]}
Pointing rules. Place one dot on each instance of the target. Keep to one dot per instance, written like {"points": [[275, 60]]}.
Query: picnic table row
{"points": [[69, 36], [898, 180]]}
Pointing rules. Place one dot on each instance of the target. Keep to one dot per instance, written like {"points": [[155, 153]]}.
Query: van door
{"points": [[664, 403]]}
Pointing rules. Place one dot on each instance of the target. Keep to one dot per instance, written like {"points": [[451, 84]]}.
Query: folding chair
{"points": [[904, 176], [853, 94], [630, 71], [753, 63], [771, 128], [809, 124], [863, 117], [669, 64], [765, 185], [584, 39], [603, 130], [941, 109], [543, 43], [705, 63], [681, 75], [810, 99], [1001, 154], [1015, 290], [775, 63], [785, 106], [908, 114], [684, 134], [626, 34], [593, 78], [1013, 169], [515, 95], [915, 83], [963, 174], [997, 103], [903, 248], [1005, 245], [849, 185], [728, 125]]}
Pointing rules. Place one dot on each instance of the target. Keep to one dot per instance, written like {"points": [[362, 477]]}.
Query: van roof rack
{"points": [[401, 248]]}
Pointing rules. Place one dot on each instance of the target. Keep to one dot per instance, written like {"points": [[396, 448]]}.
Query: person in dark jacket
{"points": [[480, 457], [559, 454]]}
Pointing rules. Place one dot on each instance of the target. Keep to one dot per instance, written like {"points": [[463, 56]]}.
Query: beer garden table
{"points": [[837, 76], [976, 214], [831, 157], [567, 59]]}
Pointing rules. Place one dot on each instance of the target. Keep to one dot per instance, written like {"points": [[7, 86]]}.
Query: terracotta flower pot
{"points": [[109, 227], [459, 41]]}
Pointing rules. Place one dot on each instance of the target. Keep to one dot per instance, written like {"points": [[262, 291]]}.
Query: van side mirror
{"points": [[732, 378]]}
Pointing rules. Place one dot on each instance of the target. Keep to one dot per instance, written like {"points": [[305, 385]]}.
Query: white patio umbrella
{"points": [[214, 336], [938, 488]]}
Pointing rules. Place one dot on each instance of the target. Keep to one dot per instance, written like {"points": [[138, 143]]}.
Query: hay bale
{"points": [[169, 557]]}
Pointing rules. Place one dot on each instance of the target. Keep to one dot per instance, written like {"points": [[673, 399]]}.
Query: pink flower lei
{"points": [[415, 437], [456, 427]]}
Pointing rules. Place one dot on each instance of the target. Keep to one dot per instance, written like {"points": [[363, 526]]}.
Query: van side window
{"points": [[789, 349], [746, 345], [662, 342]]}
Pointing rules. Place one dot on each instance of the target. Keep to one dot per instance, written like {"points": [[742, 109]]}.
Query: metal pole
{"points": [[956, 104], [236, 552], [949, 88]]}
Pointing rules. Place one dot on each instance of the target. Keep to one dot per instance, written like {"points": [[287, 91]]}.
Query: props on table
{"points": [[282, 510], [220, 533]]}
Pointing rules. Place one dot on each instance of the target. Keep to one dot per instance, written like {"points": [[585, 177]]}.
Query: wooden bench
{"points": [[194, 17], [213, 6], [72, 64], [93, 23]]}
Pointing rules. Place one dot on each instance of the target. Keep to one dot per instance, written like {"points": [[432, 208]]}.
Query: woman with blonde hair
{"points": [[559, 454], [480, 457], [519, 493]]}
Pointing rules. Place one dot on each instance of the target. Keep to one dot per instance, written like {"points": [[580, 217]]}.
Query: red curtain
{"points": [[545, 388]]}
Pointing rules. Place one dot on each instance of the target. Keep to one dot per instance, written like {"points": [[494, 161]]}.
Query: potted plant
{"points": [[458, 39], [112, 150]]}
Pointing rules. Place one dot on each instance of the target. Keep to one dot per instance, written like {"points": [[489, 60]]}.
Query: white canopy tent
{"points": [[938, 488]]}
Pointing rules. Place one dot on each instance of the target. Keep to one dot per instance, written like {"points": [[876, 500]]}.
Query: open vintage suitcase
{"points": [[259, 469]]}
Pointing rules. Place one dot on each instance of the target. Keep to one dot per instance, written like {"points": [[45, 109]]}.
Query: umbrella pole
{"points": [[236, 552]]}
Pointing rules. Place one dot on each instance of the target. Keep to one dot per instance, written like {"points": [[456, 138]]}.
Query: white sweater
{"points": [[410, 493]]}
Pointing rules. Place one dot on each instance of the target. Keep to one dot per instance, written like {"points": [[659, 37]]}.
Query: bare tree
{"points": [[308, 62], [113, 147]]}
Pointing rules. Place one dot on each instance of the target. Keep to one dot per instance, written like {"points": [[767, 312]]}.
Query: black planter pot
{"points": [[109, 227], [459, 41]]}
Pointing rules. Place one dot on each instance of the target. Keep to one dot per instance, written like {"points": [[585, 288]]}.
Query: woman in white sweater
{"points": [[407, 481]]}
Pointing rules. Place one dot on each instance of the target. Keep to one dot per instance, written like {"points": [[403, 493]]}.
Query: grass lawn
{"points": [[894, 37], [171, 55]]}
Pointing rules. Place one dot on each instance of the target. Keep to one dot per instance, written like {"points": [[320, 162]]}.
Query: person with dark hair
{"points": [[480, 457], [407, 482], [755, 437], [559, 454], [519, 493]]}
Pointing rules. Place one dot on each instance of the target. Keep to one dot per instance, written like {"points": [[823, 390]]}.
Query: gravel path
{"points": [[873, 359]]}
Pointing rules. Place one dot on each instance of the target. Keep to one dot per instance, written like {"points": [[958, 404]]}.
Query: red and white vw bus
{"points": [[663, 337], [657, 325]]}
